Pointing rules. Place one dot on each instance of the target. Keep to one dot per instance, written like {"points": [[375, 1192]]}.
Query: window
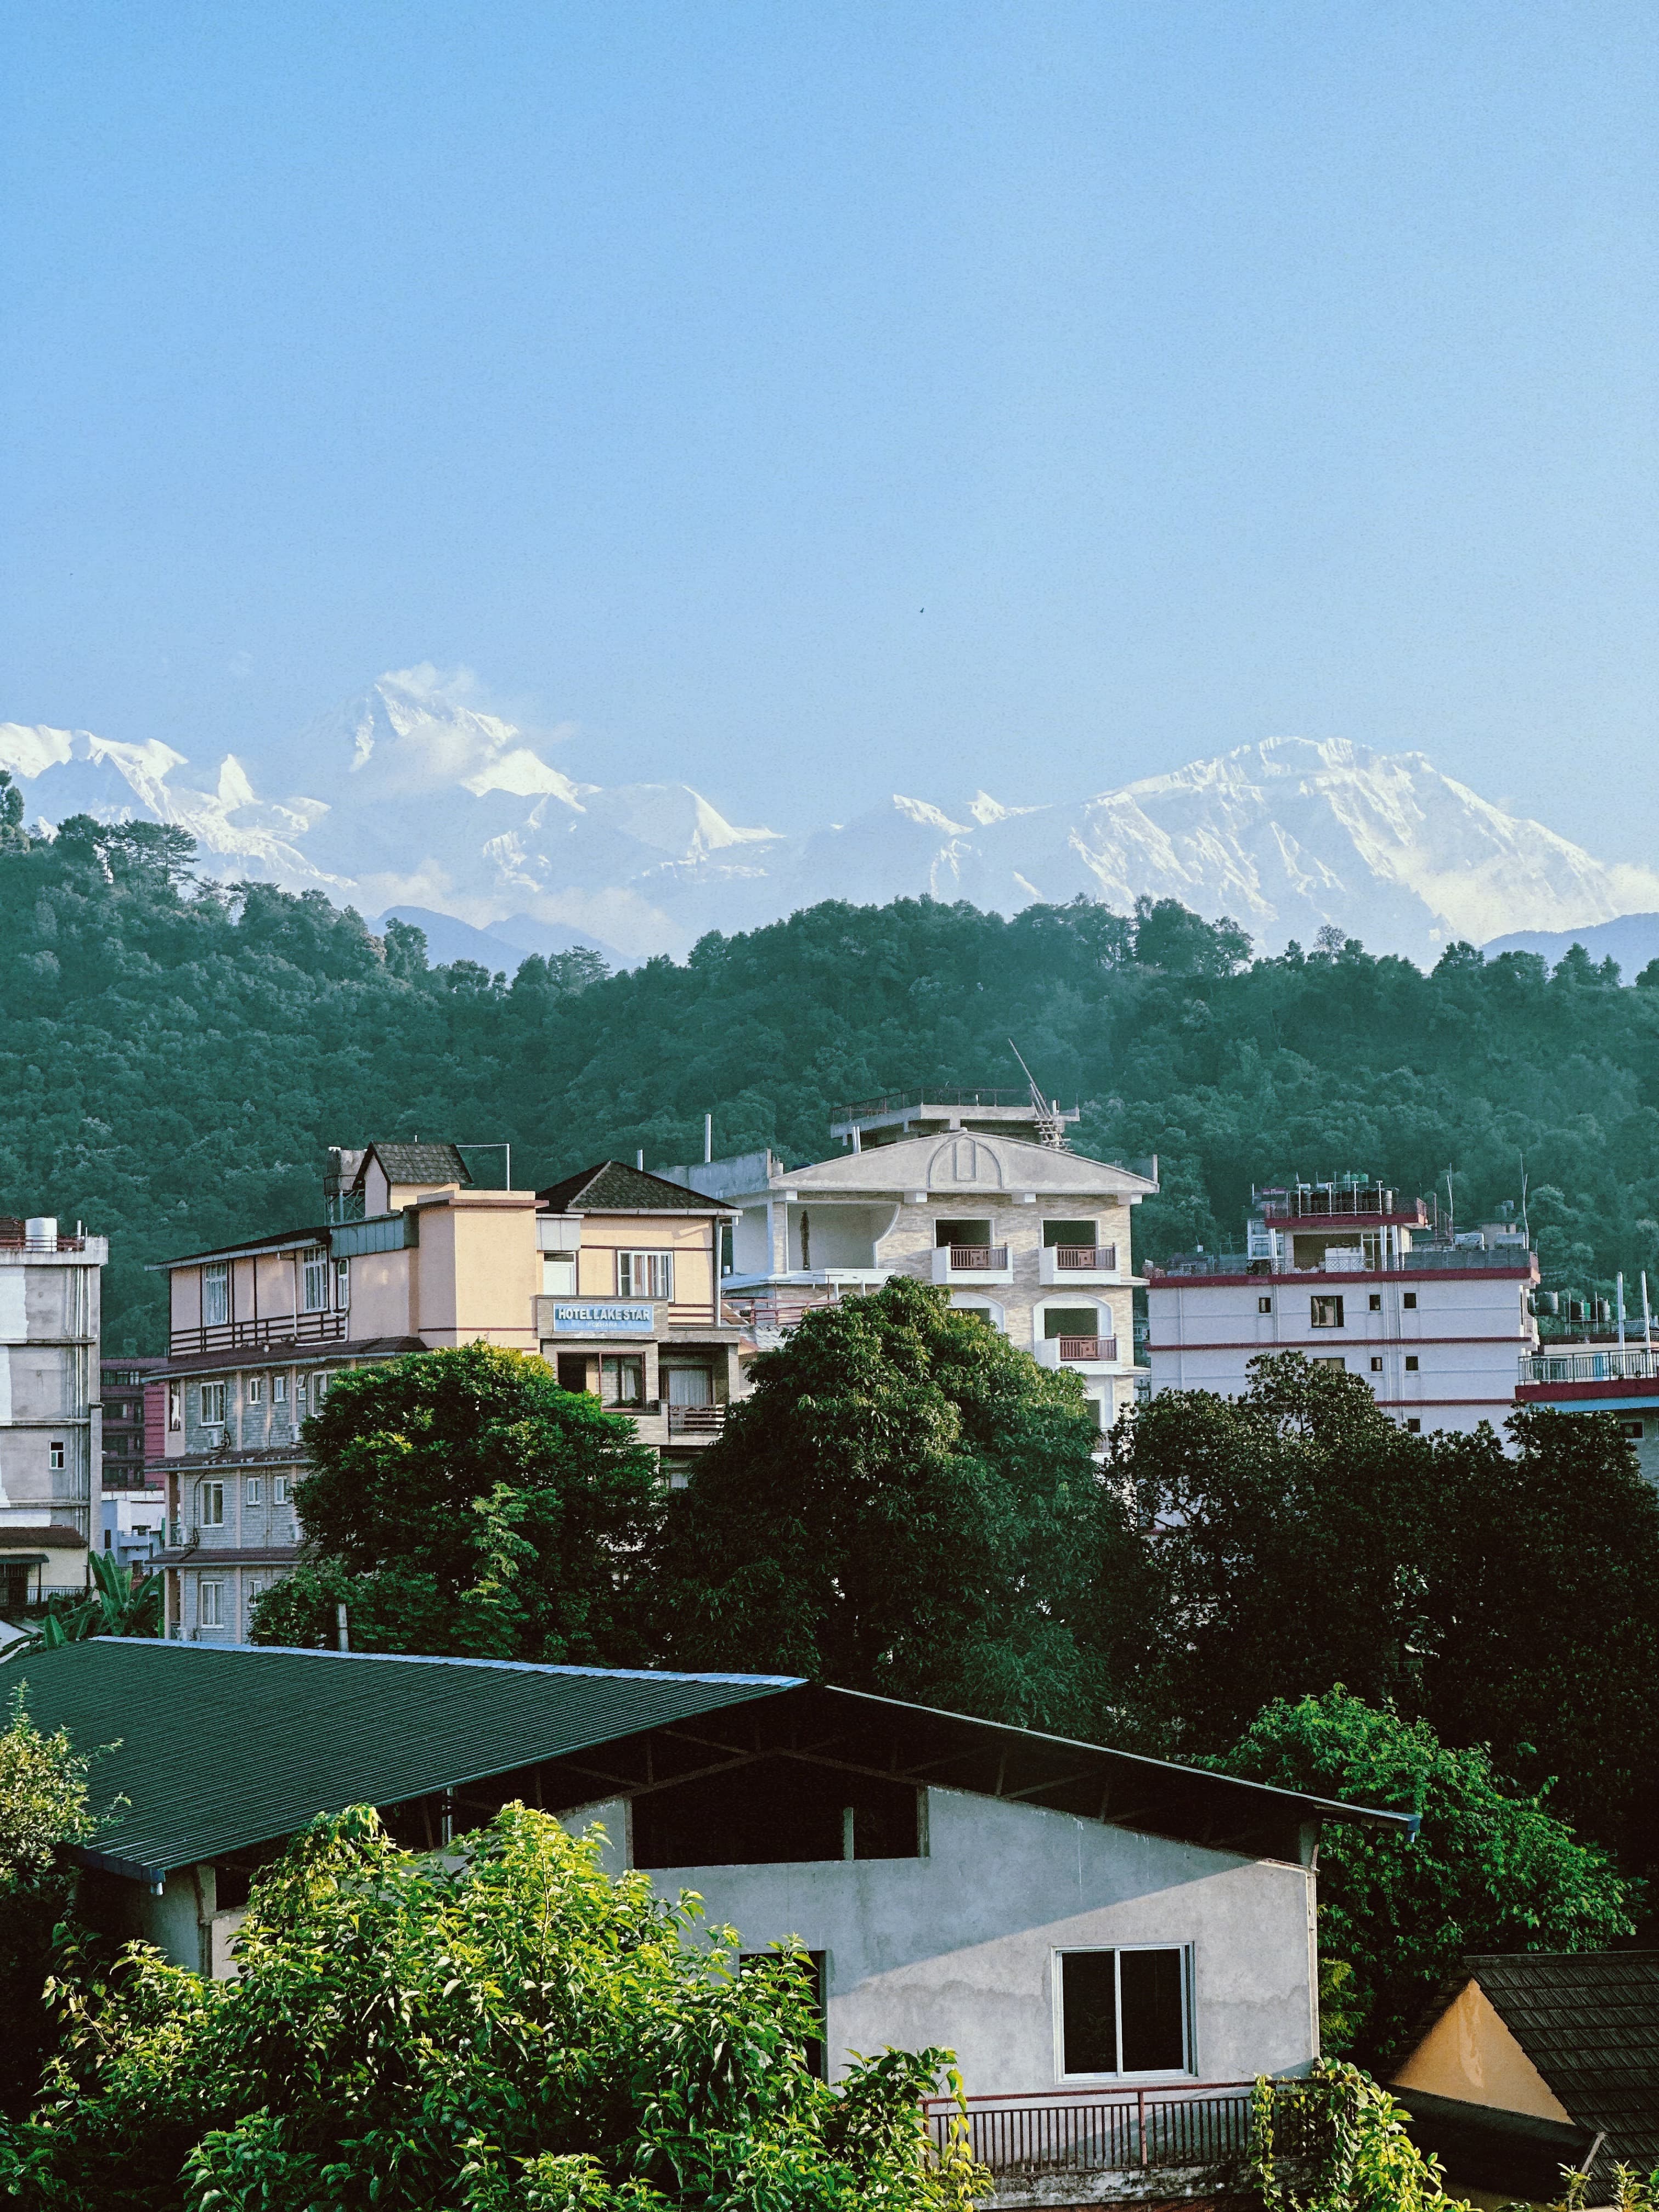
{"points": [[558, 1274], [645, 1275], [1376, 1362], [1062, 1232], [966, 1235], [1409, 1301], [213, 1405], [1326, 1313], [622, 1379], [211, 1612], [1411, 1363], [279, 1489], [1415, 1428], [313, 1279], [1632, 1429], [1328, 1359], [55, 1452], [690, 1386], [572, 1371], [1122, 2012], [1377, 1301], [1264, 1305], [256, 1388], [175, 1405], [279, 1390], [252, 1490], [215, 1294], [342, 1286], [211, 1501], [298, 1389]]}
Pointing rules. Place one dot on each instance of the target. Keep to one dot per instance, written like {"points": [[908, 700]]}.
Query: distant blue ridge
{"points": [[506, 944], [1632, 940]]}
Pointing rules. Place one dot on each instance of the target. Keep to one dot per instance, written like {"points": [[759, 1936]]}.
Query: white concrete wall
{"points": [[957, 1948]]}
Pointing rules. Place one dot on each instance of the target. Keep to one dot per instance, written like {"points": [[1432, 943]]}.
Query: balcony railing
{"points": [[1087, 1347], [1323, 1202], [1617, 1364], [249, 1335], [14, 1237], [1077, 2132], [977, 1258], [1423, 1260], [1085, 1259], [695, 1420]]}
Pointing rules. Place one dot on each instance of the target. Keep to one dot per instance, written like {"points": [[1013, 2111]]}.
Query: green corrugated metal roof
{"points": [[222, 1747]]}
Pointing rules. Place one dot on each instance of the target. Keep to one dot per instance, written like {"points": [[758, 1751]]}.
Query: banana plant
{"points": [[121, 1604]]}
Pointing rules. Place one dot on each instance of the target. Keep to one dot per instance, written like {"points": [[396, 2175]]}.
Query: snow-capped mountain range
{"points": [[411, 796]]}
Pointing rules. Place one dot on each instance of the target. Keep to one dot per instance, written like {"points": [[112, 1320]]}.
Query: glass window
{"points": [[279, 1390], [212, 1607], [1632, 1429], [1411, 1363], [1123, 2012], [645, 1275], [622, 1379], [1376, 1302], [1408, 1299], [256, 1388], [1376, 1362], [1264, 1305], [213, 1405], [212, 1496], [175, 1405], [343, 1286], [1326, 1313], [313, 1280], [252, 1490], [55, 1452], [690, 1386], [215, 1294], [279, 1489]]}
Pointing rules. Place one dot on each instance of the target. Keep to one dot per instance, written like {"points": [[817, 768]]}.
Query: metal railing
{"points": [[248, 1335], [1083, 2131], [1087, 1347], [14, 1238], [977, 1258], [1617, 1364], [1325, 1201], [1426, 1260], [900, 1102], [695, 1420], [1093, 1259]]}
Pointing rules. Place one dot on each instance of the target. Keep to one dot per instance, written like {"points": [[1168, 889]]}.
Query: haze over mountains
{"points": [[410, 797]]}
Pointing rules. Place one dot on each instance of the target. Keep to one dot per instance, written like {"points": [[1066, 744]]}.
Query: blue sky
{"points": [[1204, 373]]}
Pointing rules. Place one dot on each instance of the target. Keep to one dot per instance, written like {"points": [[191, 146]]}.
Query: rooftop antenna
{"points": [[1647, 1314], [1051, 1130]]}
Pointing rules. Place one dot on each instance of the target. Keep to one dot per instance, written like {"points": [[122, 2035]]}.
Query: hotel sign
{"points": [[601, 1317]]}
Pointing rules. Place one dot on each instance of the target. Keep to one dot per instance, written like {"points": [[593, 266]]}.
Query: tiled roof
{"points": [[1588, 2021], [611, 1187], [51, 1536], [418, 1164], [284, 1352]]}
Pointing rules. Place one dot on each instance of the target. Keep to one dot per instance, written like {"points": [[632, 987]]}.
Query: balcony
{"points": [[688, 1422], [1102, 2145], [1632, 1363], [256, 1335], [972, 1263], [1076, 1263], [1076, 1351]]}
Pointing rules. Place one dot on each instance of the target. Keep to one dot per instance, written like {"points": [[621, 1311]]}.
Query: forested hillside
{"points": [[175, 1058]]}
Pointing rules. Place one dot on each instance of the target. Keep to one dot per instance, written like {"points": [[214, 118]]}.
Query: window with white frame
{"points": [[279, 1489], [215, 1294], [313, 1280], [250, 1490], [55, 1452], [279, 1390], [256, 1389], [211, 1505], [645, 1275], [1123, 2012], [211, 1605], [342, 1286], [213, 1405], [175, 1405]]}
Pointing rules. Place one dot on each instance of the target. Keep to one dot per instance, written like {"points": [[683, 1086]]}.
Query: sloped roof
{"points": [[278, 1242], [611, 1187], [952, 1163], [1588, 2021], [51, 1535], [275, 1737], [428, 1164], [222, 1747]]}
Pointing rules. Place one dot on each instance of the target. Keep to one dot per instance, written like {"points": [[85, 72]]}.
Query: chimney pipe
{"points": [[707, 1138]]}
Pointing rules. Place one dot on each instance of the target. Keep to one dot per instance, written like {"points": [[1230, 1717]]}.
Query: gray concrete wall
{"points": [[957, 1948]]}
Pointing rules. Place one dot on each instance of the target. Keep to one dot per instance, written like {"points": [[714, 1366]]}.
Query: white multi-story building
{"points": [[1348, 1273], [972, 1190], [50, 1439]]}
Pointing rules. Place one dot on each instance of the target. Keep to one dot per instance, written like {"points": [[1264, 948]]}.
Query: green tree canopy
{"points": [[502, 2030], [44, 1804], [1489, 1871], [907, 1505], [459, 1501]]}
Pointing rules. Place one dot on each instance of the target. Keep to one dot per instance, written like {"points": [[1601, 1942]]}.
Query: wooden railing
{"points": [[248, 1335], [1093, 1258], [1087, 1347], [1089, 2131], [972, 1259], [695, 1420]]}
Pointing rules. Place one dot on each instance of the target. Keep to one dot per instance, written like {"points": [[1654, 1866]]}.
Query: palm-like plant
{"points": [[121, 1604]]}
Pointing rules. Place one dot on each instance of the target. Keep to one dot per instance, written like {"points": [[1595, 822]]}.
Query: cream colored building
{"points": [[51, 1441], [972, 1191], [611, 1275]]}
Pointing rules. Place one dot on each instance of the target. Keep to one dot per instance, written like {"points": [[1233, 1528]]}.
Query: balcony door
{"points": [[690, 1386]]}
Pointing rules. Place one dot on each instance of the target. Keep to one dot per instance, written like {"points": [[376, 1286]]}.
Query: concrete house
{"points": [[1620, 1380], [1352, 1273], [973, 1191], [611, 1275], [50, 1443], [1063, 1916]]}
